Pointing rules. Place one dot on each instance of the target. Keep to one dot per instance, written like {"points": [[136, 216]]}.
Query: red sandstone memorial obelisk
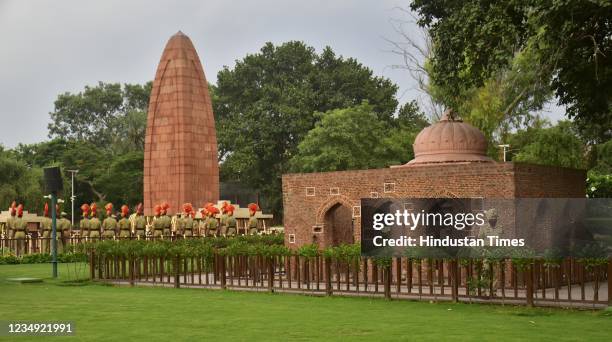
{"points": [[180, 163]]}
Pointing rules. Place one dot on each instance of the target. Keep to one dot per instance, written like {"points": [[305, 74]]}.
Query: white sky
{"points": [[49, 47]]}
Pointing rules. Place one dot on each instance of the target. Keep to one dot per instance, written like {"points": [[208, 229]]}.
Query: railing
{"points": [[569, 283]]}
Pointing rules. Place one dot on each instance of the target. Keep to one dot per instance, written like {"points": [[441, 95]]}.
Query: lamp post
{"points": [[505, 147], [53, 180], [54, 202], [72, 197], [53, 197]]}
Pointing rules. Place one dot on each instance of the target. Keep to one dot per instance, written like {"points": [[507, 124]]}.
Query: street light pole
{"points": [[506, 149], [54, 232], [73, 197], [54, 202]]}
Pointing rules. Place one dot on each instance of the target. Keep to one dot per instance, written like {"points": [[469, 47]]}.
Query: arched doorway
{"points": [[339, 225]]}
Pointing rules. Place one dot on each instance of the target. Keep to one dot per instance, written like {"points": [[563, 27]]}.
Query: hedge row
{"points": [[268, 245], [41, 258]]}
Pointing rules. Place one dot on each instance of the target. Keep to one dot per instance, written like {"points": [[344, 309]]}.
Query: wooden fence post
{"points": [[131, 269], [92, 265], [271, 274], [177, 273], [398, 275], [387, 279], [454, 274], [529, 283], [328, 282], [222, 271]]}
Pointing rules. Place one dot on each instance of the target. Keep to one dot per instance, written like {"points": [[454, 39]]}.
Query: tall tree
{"points": [[354, 138], [603, 161], [265, 106], [102, 175], [566, 42], [20, 182], [555, 146], [108, 115]]}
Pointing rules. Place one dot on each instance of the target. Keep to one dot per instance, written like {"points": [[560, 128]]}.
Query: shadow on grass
{"points": [[532, 313], [75, 282]]}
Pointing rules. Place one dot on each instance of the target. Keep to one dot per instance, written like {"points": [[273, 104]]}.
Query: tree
{"points": [[20, 182], [415, 48], [122, 180], [265, 105], [343, 139], [108, 115], [354, 138], [567, 44], [410, 117], [508, 99], [603, 163], [102, 175], [555, 146]]}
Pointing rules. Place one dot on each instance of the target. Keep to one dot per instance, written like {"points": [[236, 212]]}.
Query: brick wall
{"points": [[545, 181], [307, 197]]}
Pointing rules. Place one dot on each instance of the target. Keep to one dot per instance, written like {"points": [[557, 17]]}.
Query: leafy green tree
{"points": [[565, 45], [343, 139], [410, 117], [399, 139], [353, 138], [265, 106], [122, 180], [102, 175], [555, 146], [108, 115], [508, 98], [603, 163], [20, 182]]}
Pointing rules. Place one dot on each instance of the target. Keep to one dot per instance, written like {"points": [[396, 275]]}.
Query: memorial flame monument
{"points": [[180, 162]]}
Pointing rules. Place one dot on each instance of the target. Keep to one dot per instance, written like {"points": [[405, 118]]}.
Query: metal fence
{"points": [[570, 283]]}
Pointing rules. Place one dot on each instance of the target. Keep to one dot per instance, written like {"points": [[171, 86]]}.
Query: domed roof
{"points": [[450, 140]]}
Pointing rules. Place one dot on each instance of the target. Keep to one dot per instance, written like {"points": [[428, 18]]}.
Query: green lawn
{"points": [[146, 313]]}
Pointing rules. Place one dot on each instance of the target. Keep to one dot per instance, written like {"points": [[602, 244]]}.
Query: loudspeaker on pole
{"points": [[53, 179]]}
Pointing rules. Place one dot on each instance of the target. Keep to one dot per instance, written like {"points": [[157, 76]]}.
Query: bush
{"points": [[308, 251], [599, 185], [266, 245], [344, 253], [41, 258], [9, 259], [36, 258]]}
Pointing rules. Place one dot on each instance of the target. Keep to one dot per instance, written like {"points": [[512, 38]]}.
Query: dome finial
{"points": [[450, 115]]}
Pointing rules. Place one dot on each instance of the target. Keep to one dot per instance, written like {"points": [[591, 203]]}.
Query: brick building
{"points": [[450, 162]]}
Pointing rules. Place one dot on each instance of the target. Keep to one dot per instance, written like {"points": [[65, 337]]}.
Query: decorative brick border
{"points": [[323, 208]]}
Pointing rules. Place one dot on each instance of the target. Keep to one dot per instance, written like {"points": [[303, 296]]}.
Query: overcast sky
{"points": [[49, 47]]}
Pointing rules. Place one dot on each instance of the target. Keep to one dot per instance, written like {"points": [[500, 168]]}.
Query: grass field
{"points": [[107, 313]]}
